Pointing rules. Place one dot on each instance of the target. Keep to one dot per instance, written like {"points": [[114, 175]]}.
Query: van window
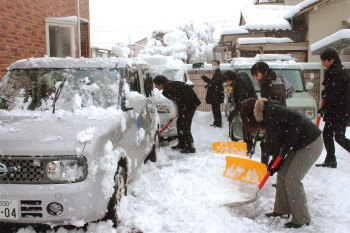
{"points": [[148, 85], [134, 82]]}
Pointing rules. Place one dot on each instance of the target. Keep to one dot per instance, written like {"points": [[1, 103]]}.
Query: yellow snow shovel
{"points": [[245, 169], [237, 148]]}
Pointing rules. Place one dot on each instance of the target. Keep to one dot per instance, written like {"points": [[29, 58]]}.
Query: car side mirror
{"points": [[123, 104], [309, 86]]}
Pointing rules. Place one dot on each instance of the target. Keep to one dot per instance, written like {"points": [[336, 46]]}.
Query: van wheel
{"points": [[155, 150], [120, 190]]}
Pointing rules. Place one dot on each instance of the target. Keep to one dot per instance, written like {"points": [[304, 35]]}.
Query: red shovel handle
{"points": [[274, 165], [319, 117], [165, 127]]}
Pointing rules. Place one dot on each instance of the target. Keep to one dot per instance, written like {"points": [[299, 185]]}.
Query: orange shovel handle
{"points": [[165, 127], [319, 117], [274, 165]]}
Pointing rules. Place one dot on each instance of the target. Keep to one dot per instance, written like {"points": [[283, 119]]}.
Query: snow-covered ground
{"points": [[185, 192]]}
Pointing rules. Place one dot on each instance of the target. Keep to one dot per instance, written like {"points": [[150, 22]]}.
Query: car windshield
{"points": [[34, 89], [293, 76]]}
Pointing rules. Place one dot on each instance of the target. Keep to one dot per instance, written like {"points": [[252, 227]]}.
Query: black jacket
{"points": [[336, 94], [215, 91], [182, 94], [290, 128], [272, 91], [242, 89]]}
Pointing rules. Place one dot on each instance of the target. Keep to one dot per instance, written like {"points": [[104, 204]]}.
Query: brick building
{"points": [[35, 28]]}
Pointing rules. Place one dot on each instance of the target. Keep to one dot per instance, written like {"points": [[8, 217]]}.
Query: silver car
{"points": [[72, 133]]}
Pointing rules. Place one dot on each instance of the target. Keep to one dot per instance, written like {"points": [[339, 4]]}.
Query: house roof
{"points": [[338, 40], [263, 40]]}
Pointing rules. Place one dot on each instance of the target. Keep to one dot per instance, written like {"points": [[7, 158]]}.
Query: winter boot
{"points": [[177, 147], [294, 225], [188, 150], [273, 214], [330, 162]]}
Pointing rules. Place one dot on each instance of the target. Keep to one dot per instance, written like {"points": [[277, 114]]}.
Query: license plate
{"points": [[8, 209]]}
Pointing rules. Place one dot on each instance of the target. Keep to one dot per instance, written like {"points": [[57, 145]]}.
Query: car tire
{"points": [[120, 190], [155, 150]]}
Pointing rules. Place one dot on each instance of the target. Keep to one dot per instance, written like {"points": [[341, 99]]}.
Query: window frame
{"points": [[60, 23]]}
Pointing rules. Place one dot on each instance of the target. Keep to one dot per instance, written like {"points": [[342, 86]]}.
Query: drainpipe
{"points": [[79, 36]]}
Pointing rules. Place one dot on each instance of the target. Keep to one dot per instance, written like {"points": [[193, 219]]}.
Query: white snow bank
{"points": [[341, 34], [263, 40], [234, 31]]}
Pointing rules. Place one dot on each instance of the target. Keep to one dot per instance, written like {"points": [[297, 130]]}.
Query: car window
{"points": [[148, 85], [293, 76], [134, 82], [34, 89]]}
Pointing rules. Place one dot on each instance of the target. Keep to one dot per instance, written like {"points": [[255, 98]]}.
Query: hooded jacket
{"points": [[272, 89], [290, 128], [336, 94]]}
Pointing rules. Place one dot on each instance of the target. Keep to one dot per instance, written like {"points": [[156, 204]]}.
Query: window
{"points": [[60, 37], [148, 85], [134, 81]]}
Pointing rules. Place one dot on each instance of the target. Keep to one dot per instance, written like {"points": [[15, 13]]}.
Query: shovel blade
{"points": [[237, 148], [246, 170]]}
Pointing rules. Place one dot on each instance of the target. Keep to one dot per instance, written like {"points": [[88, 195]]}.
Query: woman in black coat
{"points": [[215, 93], [336, 107], [300, 145]]}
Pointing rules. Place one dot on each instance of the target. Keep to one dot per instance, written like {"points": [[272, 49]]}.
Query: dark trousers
{"points": [[337, 131], [217, 114], [184, 122]]}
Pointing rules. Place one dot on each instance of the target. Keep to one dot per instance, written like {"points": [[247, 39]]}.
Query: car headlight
{"points": [[310, 113], [67, 170], [163, 109]]}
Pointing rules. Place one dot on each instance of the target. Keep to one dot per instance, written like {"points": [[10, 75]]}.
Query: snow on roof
{"points": [[341, 34], [234, 31], [272, 17], [66, 63], [263, 40]]}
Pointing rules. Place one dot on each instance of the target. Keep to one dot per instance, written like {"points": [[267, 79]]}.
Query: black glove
{"points": [[232, 114], [283, 152], [321, 111], [203, 77]]}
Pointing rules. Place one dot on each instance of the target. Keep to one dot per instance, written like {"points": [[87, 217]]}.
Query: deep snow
{"points": [[184, 193]]}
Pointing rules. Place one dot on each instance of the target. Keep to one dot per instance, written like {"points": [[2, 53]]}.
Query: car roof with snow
{"points": [[71, 63]]}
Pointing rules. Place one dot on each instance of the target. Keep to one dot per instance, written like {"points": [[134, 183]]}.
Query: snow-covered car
{"points": [[301, 101], [174, 70], [72, 134]]}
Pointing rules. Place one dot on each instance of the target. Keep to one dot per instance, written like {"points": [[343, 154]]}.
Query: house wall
{"points": [[22, 27], [139, 46], [326, 19]]}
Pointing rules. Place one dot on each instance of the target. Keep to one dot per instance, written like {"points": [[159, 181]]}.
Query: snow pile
{"points": [[339, 35], [190, 41], [82, 138], [120, 51], [263, 40], [234, 31]]}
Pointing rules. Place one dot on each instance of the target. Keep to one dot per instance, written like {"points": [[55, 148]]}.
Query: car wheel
{"points": [[155, 150], [120, 190]]}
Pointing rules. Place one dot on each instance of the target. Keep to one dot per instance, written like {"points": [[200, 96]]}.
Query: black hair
{"points": [[260, 66], [160, 79], [330, 54], [229, 75], [217, 61]]}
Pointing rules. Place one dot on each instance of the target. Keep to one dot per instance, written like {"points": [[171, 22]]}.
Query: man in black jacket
{"points": [[300, 145], [186, 101], [215, 93], [336, 107], [242, 89]]}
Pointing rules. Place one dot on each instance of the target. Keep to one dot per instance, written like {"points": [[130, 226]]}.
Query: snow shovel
{"points": [[255, 197], [165, 126], [238, 148], [198, 66]]}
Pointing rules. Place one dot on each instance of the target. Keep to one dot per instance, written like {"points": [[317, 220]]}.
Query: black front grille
{"points": [[31, 209], [22, 170]]}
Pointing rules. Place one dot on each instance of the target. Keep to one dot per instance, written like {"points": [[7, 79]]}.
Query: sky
{"points": [[125, 22]]}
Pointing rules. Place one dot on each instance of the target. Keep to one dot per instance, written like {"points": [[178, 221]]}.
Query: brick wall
{"points": [[22, 27]]}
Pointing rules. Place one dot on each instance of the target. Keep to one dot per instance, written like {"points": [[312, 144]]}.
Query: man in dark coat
{"points": [[186, 101], [242, 89], [336, 107], [272, 88], [299, 144], [215, 93]]}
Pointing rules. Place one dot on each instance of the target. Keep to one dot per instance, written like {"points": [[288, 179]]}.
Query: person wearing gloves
{"points": [[186, 101], [215, 93], [300, 145], [336, 107], [272, 88], [242, 89]]}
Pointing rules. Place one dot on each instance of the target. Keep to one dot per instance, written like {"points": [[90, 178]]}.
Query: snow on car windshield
{"points": [[35, 89]]}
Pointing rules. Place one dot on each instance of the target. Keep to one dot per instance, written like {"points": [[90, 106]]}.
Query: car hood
{"points": [[49, 135]]}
